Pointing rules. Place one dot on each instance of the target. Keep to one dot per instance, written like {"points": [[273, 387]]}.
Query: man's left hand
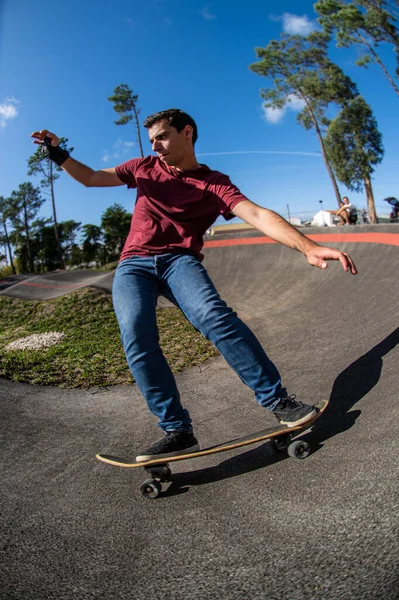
{"points": [[318, 255]]}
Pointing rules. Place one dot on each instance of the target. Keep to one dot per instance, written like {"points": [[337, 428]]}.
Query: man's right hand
{"points": [[40, 135], [85, 175], [50, 148]]}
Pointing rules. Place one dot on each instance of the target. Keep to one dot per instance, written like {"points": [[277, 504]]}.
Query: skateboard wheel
{"points": [[151, 488], [299, 449]]}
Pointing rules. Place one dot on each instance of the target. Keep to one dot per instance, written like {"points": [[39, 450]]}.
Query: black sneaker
{"points": [[173, 444], [290, 412]]}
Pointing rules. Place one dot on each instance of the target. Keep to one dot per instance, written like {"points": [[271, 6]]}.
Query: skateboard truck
{"points": [[151, 488], [295, 449]]}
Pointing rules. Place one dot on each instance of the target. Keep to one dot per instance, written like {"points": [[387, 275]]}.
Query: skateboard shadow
{"points": [[351, 385], [245, 462]]}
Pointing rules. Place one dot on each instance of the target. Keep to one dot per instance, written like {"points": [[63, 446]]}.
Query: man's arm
{"points": [[85, 175], [277, 228], [90, 178]]}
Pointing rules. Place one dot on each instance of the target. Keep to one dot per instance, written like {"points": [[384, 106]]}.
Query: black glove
{"points": [[54, 153]]}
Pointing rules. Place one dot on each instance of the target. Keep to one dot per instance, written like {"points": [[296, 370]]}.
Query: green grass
{"points": [[90, 353]]}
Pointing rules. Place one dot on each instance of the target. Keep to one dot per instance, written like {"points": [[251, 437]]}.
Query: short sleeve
{"points": [[229, 196], [127, 172]]}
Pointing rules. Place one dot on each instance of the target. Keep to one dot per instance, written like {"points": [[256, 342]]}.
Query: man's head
{"points": [[345, 199], [172, 134]]}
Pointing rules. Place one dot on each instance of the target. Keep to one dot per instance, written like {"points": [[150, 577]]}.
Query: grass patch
{"points": [[91, 353]]}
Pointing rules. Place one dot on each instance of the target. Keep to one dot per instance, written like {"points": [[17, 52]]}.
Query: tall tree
{"points": [[115, 221], [125, 104], [354, 146], [44, 245], [5, 214], [92, 235], [300, 69], [42, 165], [25, 205], [68, 231], [364, 24]]}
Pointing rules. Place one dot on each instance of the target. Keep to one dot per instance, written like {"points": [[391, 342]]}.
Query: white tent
{"points": [[323, 218]]}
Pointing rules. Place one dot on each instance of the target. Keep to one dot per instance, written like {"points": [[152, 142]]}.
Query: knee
{"points": [[213, 322]]}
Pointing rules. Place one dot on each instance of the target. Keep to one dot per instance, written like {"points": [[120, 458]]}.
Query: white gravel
{"points": [[36, 341]]}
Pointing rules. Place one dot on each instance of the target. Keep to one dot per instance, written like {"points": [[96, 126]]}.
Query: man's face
{"points": [[171, 147]]}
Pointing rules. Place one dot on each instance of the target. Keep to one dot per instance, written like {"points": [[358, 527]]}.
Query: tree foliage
{"points": [[38, 164], [125, 104], [91, 244], [365, 24], [25, 204], [354, 146], [115, 222], [354, 143], [6, 213], [300, 69]]}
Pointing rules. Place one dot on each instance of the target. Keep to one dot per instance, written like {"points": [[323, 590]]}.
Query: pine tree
{"points": [[354, 146], [125, 104]]}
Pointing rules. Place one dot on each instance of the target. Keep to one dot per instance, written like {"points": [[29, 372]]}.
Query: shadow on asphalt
{"points": [[351, 385], [252, 460]]}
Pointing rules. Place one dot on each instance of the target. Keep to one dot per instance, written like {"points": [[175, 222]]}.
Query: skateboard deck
{"points": [[159, 467]]}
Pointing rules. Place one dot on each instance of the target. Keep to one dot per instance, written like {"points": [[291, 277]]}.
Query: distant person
{"points": [[394, 203], [178, 199], [365, 218], [347, 212]]}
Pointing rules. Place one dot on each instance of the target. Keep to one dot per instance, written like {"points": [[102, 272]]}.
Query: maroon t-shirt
{"points": [[174, 209]]}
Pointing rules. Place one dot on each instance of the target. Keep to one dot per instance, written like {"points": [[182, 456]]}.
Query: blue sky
{"points": [[60, 61]]}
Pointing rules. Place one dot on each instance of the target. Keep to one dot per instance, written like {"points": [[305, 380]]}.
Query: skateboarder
{"points": [[178, 199]]}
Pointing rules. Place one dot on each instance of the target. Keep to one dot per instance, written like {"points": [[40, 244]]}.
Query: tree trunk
{"points": [[30, 258], [9, 248], [323, 150], [370, 200], [383, 67], [57, 237], [136, 117]]}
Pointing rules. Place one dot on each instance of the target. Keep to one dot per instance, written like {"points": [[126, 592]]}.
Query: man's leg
{"points": [[345, 217], [189, 286], [135, 292]]}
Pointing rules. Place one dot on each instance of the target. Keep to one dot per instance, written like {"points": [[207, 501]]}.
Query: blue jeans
{"points": [[184, 281]]}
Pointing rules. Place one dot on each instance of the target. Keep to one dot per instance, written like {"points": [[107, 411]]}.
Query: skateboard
{"points": [[284, 439]]}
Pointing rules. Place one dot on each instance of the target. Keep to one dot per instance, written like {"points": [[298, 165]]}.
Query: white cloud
{"points": [[120, 148], [8, 110], [296, 25], [206, 13], [275, 115], [123, 146], [295, 103]]}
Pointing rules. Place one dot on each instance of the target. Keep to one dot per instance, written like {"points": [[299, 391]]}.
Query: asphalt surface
{"points": [[239, 525]]}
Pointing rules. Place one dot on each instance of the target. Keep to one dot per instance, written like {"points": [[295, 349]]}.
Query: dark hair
{"points": [[176, 118]]}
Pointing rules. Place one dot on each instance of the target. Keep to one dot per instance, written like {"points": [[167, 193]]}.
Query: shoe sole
{"points": [[302, 421], [146, 457]]}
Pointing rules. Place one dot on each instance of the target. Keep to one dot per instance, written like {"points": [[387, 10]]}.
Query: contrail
{"points": [[260, 152]]}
